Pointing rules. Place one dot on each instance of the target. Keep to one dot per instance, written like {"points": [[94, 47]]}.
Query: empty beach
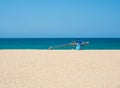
{"points": [[59, 69]]}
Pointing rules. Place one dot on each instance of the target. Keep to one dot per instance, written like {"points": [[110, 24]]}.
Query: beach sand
{"points": [[59, 69]]}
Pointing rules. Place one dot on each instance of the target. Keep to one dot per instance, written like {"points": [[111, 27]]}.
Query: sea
{"points": [[45, 43]]}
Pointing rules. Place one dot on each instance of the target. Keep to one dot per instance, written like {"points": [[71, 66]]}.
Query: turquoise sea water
{"points": [[45, 43]]}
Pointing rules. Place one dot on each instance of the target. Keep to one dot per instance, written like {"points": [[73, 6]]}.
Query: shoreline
{"points": [[62, 50]]}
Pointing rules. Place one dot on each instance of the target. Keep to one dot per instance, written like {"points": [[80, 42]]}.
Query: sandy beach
{"points": [[59, 69]]}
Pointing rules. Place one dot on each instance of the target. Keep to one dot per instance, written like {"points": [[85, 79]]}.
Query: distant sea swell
{"points": [[45, 43]]}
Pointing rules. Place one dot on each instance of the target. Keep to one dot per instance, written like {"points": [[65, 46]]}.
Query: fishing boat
{"points": [[74, 43]]}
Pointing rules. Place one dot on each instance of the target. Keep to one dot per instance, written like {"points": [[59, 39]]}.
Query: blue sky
{"points": [[59, 18]]}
